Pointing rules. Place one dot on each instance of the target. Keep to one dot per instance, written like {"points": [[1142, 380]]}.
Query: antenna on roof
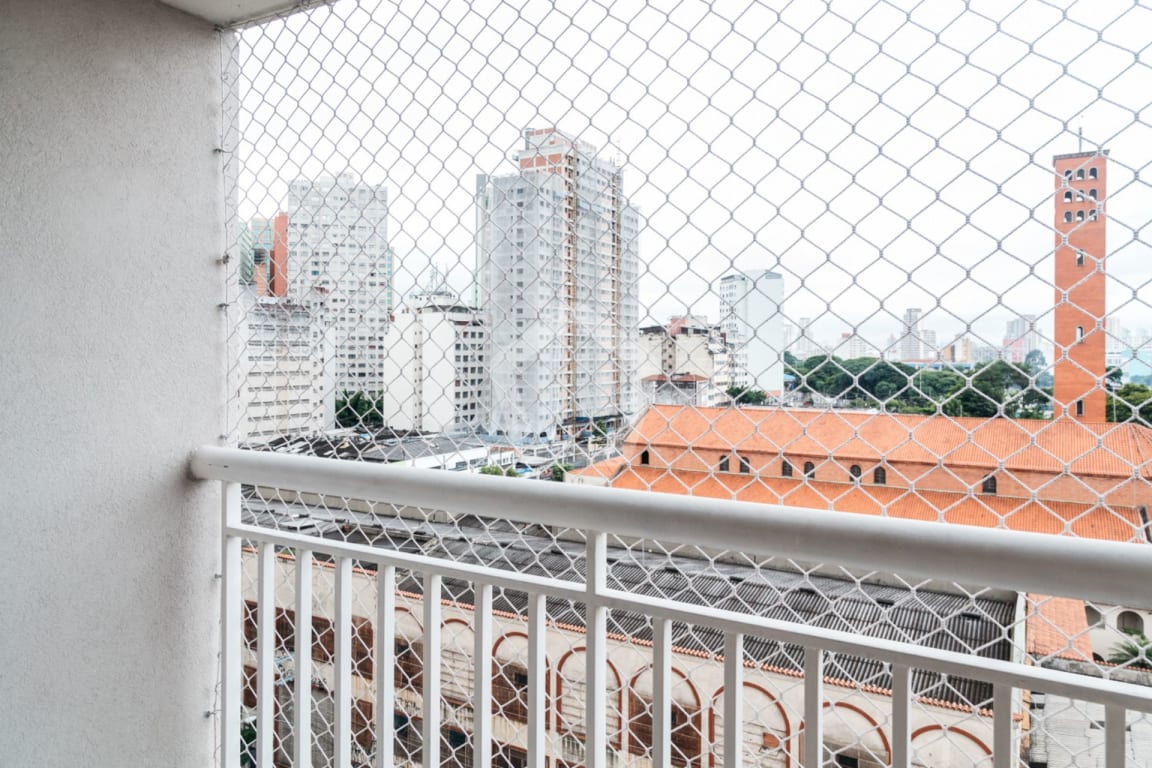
{"points": [[1080, 135]]}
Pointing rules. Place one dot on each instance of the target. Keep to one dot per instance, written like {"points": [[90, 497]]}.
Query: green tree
{"points": [[355, 409], [1135, 651], [510, 471], [1130, 403], [742, 396], [558, 471], [491, 469], [1035, 361]]}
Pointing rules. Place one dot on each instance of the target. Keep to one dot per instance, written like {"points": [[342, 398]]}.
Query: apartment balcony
{"points": [[601, 627]]}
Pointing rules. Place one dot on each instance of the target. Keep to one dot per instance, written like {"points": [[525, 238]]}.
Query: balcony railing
{"points": [[1103, 572]]}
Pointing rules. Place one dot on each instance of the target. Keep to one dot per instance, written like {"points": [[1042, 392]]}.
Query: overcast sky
{"points": [[879, 155]]}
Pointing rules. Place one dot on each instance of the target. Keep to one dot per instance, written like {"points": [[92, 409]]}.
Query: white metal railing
{"points": [[1107, 572]]}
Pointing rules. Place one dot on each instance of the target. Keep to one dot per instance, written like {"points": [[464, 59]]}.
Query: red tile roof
{"points": [[1058, 446], [1095, 521], [1057, 626]]}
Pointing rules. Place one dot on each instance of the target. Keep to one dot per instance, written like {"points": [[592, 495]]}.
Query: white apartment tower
{"points": [[911, 341], [557, 272], [754, 328], [285, 370], [340, 262], [436, 355]]}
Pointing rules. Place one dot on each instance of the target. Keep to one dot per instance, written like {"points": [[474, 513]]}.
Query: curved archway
{"points": [[687, 718], [572, 693], [940, 751], [764, 748]]}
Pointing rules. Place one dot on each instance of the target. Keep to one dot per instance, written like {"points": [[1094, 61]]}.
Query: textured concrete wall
{"points": [[111, 372]]}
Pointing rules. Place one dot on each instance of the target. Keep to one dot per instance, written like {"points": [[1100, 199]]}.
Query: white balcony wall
{"points": [[113, 371]]}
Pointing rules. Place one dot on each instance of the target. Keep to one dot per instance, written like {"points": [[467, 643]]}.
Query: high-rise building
{"points": [[1080, 254], [285, 370], [264, 255], [341, 264], [1021, 338], [911, 341], [557, 273], [853, 345], [436, 353], [754, 327]]}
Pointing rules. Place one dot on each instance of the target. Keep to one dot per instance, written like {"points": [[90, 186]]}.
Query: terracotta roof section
{"points": [[1057, 627], [1058, 446], [1094, 521], [606, 468]]}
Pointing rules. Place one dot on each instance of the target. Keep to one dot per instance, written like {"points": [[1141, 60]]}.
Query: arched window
{"points": [[989, 485], [1079, 195], [1068, 175], [1079, 333], [1079, 215], [1092, 194], [1079, 257], [1067, 217], [1093, 173], [1091, 615], [809, 469], [723, 464], [854, 470], [644, 458], [1067, 195], [880, 476], [1079, 173], [1092, 215], [785, 468], [745, 467], [1130, 621]]}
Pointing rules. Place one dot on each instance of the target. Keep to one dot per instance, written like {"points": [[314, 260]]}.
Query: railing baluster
{"points": [[1003, 755], [266, 654], [302, 726], [901, 702], [537, 669], [733, 700], [431, 671], [482, 698], [1115, 726], [813, 707], [661, 692], [384, 673], [596, 637], [343, 663], [231, 630]]}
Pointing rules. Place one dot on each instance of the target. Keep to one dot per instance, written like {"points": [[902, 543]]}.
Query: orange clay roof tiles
{"points": [[1057, 626], [1061, 445], [1059, 517]]}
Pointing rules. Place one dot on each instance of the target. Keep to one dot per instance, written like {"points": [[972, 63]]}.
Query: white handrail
{"points": [[1104, 572]]}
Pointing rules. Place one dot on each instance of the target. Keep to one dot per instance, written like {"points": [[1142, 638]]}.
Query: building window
{"points": [[644, 458], [1079, 334], [1067, 195], [809, 470], [1079, 407], [510, 691], [1079, 215], [989, 485], [1092, 194], [1067, 217], [1092, 215], [745, 466], [785, 468], [723, 464], [1079, 173], [1068, 175], [880, 476], [854, 470], [1080, 257], [1091, 615], [1130, 621], [1093, 173]]}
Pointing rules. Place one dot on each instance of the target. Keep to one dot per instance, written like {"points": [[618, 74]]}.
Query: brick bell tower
{"points": [[1081, 252]]}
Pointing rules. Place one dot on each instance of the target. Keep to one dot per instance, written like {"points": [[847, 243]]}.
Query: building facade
{"points": [[341, 264], [438, 374], [557, 273], [1021, 338], [1081, 251], [677, 362], [753, 325]]}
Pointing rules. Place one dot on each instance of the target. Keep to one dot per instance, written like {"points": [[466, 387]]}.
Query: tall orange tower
{"points": [[1081, 252]]}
